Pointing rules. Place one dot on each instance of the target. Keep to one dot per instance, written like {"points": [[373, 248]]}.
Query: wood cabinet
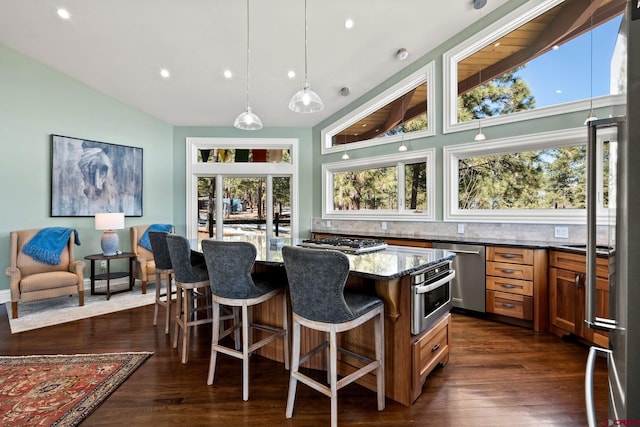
{"points": [[516, 284], [567, 275], [430, 350]]}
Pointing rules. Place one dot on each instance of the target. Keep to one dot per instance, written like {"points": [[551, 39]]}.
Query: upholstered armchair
{"points": [[32, 280], [144, 266]]}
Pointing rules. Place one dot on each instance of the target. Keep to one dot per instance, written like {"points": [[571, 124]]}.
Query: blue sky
{"points": [[563, 75]]}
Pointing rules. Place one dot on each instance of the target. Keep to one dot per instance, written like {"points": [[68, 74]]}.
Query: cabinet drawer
{"points": [[512, 286], [512, 305], [512, 271], [429, 350], [577, 262], [510, 255]]}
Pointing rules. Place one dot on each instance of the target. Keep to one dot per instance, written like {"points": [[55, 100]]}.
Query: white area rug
{"points": [[38, 314]]}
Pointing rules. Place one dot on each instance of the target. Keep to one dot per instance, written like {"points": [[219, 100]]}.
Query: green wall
{"points": [[37, 101]]}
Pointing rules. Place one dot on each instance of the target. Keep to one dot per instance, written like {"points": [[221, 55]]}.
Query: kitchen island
{"points": [[386, 273]]}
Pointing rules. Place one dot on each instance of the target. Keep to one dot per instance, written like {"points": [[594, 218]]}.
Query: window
{"points": [[538, 178], [256, 179], [406, 107], [399, 185], [547, 57]]}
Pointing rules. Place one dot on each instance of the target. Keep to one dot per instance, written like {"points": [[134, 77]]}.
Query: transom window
{"points": [[548, 53], [393, 187], [406, 110]]}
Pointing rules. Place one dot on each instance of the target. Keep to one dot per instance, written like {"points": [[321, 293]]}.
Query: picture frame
{"points": [[89, 177]]}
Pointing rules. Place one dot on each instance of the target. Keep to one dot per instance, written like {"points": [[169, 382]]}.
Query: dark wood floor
{"points": [[498, 375]]}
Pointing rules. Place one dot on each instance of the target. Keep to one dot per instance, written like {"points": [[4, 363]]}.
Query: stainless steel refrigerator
{"points": [[623, 321]]}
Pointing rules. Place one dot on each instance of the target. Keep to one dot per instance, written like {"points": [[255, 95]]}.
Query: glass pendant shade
{"points": [[306, 101], [248, 121], [402, 147]]}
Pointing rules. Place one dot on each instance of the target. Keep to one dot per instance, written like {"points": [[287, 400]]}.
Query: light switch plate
{"points": [[561, 232]]}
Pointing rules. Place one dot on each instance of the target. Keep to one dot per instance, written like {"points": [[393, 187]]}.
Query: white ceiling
{"points": [[119, 46]]}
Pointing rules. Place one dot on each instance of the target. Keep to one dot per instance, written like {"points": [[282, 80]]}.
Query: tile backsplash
{"points": [[462, 231]]}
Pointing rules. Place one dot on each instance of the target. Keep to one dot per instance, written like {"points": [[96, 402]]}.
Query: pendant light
{"points": [[247, 120], [402, 147], [305, 100], [480, 136], [591, 116]]}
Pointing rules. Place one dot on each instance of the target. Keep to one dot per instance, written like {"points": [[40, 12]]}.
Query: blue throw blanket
{"points": [[47, 245], [144, 240]]}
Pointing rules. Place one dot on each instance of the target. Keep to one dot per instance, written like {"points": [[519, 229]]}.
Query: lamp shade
{"points": [[109, 221], [247, 120], [306, 101]]}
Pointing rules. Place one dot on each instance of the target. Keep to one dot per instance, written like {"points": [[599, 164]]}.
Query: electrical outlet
{"points": [[328, 223], [460, 228], [561, 232], [103, 265], [383, 225]]}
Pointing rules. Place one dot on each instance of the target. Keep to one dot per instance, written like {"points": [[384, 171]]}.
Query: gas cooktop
{"points": [[345, 244]]}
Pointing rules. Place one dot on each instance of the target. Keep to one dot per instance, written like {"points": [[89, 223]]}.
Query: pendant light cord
{"points": [[306, 79], [248, 53]]}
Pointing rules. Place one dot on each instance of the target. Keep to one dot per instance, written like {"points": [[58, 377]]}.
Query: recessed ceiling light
{"points": [[348, 24], [291, 74], [496, 44], [64, 13], [228, 74], [556, 47], [165, 73], [558, 91]]}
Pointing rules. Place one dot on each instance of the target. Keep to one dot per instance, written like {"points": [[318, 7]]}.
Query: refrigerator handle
{"points": [[591, 321], [588, 384]]}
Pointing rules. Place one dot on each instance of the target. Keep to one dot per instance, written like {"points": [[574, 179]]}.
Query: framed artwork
{"points": [[89, 177]]}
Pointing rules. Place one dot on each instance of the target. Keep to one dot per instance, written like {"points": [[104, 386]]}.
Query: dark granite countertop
{"points": [[390, 263]]}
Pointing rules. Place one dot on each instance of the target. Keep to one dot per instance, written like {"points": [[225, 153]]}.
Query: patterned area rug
{"points": [[60, 390], [38, 314]]}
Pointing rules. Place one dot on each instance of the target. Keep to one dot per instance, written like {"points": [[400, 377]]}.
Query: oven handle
{"points": [[421, 289]]}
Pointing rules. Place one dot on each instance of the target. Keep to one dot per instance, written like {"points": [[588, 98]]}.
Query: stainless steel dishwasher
{"points": [[468, 287]]}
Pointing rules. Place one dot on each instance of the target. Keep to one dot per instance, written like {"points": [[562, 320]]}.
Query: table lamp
{"points": [[109, 222]]}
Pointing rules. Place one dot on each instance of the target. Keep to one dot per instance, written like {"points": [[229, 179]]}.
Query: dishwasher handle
{"points": [[427, 287], [459, 251]]}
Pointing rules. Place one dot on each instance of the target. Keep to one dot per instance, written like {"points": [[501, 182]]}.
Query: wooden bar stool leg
{"points": [[295, 362], [179, 298], [245, 352], [155, 310], [187, 302], [333, 352], [215, 337], [169, 290]]}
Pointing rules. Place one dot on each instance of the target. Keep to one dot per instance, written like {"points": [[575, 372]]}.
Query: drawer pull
{"points": [[508, 255], [509, 286], [505, 305], [435, 348], [508, 270]]}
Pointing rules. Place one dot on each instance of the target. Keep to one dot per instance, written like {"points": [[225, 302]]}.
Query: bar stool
{"points": [[319, 301], [158, 240], [230, 267], [192, 284]]}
